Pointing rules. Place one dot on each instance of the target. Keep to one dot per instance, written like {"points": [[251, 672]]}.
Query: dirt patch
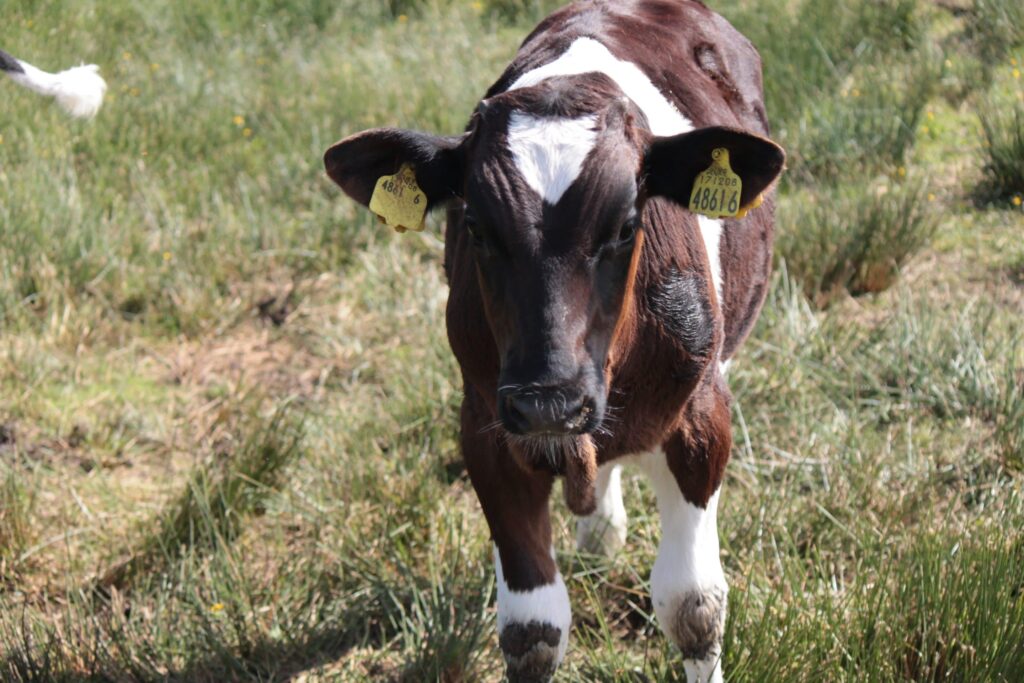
{"points": [[250, 356]]}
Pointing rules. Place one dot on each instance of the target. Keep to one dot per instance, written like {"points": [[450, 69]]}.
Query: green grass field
{"points": [[228, 409]]}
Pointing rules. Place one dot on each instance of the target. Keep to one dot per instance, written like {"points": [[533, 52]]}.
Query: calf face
{"points": [[552, 181]]}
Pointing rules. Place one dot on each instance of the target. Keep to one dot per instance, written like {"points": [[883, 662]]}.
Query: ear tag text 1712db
{"points": [[716, 191], [398, 200]]}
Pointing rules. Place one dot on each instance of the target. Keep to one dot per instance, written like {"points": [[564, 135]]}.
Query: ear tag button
{"points": [[398, 200], [716, 191]]}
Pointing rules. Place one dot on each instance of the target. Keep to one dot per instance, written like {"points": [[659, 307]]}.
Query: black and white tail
{"points": [[78, 90]]}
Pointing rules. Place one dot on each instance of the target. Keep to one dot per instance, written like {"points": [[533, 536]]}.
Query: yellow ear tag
{"points": [[716, 192], [399, 201]]}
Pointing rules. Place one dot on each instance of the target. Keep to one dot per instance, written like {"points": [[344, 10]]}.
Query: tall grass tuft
{"points": [[17, 503], [222, 492], [854, 239], [995, 27], [1003, 125]]}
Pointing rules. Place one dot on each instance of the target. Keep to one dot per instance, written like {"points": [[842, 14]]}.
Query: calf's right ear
{"points": [[359, 161]]}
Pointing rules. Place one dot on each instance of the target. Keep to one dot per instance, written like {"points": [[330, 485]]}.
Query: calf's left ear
{"points": [[359, 161], [672, 164]]}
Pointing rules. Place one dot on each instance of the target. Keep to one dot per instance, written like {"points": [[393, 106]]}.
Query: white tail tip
{"points": [[79, 90]]}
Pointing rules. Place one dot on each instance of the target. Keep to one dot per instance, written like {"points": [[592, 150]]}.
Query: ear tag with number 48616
{"points": [[399, 201], [717, 191]]}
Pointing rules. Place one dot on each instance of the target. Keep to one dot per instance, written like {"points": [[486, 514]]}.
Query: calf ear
{"points": [[672, 164], [358, 162]]}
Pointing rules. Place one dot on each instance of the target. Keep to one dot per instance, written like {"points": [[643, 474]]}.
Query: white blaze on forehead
{"points": [[549, 152], [587, 55]]}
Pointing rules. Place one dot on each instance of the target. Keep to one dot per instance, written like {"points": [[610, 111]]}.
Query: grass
{"points": [[228, 407]]}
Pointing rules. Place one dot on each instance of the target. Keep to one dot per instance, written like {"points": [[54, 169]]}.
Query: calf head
{"points": [[551, 181]]}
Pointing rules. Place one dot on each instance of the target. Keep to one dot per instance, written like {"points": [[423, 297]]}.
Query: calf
{"points": [[591, 312], [78, 90]]}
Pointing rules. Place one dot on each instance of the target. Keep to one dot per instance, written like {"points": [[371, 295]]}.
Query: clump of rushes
{"points": [[853, 240], [995, 27], [218, 497], [1003, 126], [16, 506], [868, 127]]}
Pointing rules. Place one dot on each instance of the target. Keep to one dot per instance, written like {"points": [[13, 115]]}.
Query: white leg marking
{"points": [[78, 90], [546, 605], [550, 151], [586, 55], [604, 532], [688, 565]]}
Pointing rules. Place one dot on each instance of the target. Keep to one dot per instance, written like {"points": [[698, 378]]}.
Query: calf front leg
{"points": [[533, 604], [688, 586], [604, 531]]}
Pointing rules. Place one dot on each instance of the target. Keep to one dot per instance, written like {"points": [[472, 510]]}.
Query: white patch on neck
{"points": [[587, 55], [547, 604], [711, 231], [549, 152]]}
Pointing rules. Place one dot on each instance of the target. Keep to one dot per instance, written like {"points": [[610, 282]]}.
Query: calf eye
{"points": [[628, 232]]}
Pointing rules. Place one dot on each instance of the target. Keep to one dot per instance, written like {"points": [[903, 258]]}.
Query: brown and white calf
{"points": [[591, 312]]}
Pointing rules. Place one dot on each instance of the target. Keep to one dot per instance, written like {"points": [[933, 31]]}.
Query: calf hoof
{"points": [[697, 623], [531, 651]]}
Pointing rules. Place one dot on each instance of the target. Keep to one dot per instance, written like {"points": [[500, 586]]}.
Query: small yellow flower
{"points": [[1, 139], [1013, 61], [217, 607], [855, 92], [167, 256], [477, 6], [1016, 200], [949, 63], [902, 172], [1016, 73], [238, 120], [154, 67], [247, 132], [931, 196], [925, 130], [930, 115], [402, 18], [126, 56], [28, 23]]}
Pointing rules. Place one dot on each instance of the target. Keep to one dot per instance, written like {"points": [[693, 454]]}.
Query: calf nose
{"points": [[548, 410]]}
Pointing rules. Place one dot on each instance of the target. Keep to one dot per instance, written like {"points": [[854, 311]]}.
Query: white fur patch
{"points": [[586, 55], [688, 556], [604, 531], [711, 231], [546, 604], [549, 152], [78, 90]]}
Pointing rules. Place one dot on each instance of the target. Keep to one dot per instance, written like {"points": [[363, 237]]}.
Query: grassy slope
{"points": [[190, 492]]}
